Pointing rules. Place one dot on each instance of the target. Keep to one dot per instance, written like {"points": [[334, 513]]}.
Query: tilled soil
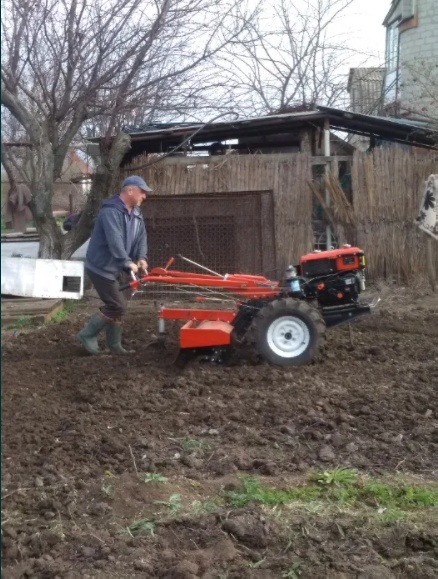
{"points": [[77, 430]]}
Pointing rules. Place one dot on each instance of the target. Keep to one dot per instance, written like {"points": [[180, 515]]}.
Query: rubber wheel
{"points": [[288, 332]]}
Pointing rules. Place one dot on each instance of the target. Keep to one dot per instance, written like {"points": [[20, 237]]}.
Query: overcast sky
{"points": [[363, 20]]}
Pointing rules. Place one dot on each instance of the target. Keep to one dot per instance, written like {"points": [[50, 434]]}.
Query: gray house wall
{"points": [[411, 87]]}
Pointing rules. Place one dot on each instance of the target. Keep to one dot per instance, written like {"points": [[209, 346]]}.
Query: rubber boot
{"points": [[114, 340], [88, 335]]}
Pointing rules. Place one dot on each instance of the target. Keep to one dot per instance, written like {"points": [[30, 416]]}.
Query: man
{"points": [[118, 243]]}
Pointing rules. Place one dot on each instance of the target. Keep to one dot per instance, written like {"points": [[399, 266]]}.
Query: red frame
{"points": [[207, 328], [250, 286]]}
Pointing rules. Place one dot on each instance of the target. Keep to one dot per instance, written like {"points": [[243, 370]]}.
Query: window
{"points": [[392, 37]]}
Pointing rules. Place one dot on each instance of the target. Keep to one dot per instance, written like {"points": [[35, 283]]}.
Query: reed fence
{"points": [[387, 187]]}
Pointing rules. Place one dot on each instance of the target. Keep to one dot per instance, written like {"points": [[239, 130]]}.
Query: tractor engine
{"points": [[333, 278]]}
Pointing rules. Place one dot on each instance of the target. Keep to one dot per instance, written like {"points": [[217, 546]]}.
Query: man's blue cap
{"points": [[136, 181]]}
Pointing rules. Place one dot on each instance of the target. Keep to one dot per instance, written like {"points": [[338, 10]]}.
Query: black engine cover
{"points": [[335, 289]]}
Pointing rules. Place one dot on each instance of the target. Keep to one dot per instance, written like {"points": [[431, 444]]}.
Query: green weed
{"points": [[64, 313], [154, 477], [339, 487], [141, 527], [253, 491], [20, 323], [256, 564], [336, 477], [401, 496], [108, 489], [203, 507], [173, 504], [190, 445], [295, 571]]}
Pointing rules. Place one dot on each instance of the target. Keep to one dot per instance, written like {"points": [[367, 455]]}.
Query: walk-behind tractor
{"points": [[284, 321]]}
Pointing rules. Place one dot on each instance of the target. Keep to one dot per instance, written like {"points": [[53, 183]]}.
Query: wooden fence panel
{"points": [[286, 176], [388, 187]]}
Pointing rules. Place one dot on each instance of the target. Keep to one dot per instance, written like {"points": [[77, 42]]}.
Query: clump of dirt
{"points": [[77, 430]]}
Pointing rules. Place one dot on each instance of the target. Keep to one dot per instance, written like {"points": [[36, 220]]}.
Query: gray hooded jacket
{"points": [[118, 239]]}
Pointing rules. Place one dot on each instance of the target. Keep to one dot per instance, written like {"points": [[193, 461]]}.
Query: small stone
{"points": [[248, 529], [49, 515], [264, 467], [326, 453], [374, 351], [184, 569], [167, 555], [232, 485], [213, 431], [428, 413], [388, 436], [88, 552], [316, 435], [361, 461], [224, 551], [398, 439], [337, 439], [191, 461], [302, 466], [51, 538], [351, 447], [39, 482], [100, 509], [289, 430], [144, 566], [10, 532]]}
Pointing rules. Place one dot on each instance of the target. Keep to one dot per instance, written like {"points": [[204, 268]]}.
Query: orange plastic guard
{"points": [[204, 334], [331, 254]]}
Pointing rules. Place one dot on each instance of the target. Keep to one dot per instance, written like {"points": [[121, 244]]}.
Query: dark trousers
{"points": [[114, 301]]}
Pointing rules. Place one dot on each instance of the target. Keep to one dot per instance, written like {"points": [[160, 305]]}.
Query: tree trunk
{"points": [[50, 239], [48, 230], [41, 202]]}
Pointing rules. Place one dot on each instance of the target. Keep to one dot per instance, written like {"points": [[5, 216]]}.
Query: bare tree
{"points": [[291, 57], [73, 65]]}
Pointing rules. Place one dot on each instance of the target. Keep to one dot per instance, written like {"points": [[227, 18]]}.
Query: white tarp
{"points": [[42, 278], [427, 217]]}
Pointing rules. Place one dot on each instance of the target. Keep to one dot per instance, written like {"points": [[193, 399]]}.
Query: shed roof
{"points": [[408, 132]]}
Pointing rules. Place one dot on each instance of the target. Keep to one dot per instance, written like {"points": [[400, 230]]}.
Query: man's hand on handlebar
{"points": [[133, 267], [142, 265]]}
